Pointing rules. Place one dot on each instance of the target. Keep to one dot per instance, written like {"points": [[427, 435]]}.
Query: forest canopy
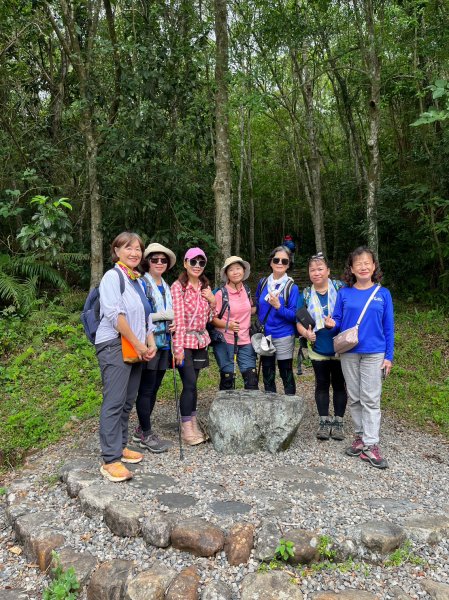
{"points": [[337, 119]]}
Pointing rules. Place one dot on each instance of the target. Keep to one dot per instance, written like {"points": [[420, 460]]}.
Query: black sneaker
{"points": [[324, 430], [337, 429], [155, 444], [137, 436]]}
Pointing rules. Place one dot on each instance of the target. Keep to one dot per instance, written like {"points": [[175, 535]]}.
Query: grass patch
{"points": [[50, 379], [418, 387]]}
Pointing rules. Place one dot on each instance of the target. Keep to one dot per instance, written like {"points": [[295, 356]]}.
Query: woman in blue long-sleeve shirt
{"points": [[276, 300], [367, 363]]}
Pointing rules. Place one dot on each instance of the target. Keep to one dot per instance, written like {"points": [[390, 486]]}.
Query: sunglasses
{"points": [[280, 261], [319, 256], [162, 261], [193, 262]]}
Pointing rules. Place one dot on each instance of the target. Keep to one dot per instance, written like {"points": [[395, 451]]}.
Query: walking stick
{"points": [[178, 406], [236, 339]]}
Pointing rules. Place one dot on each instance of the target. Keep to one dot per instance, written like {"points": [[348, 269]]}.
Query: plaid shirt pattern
{"points": [[192, 313]]}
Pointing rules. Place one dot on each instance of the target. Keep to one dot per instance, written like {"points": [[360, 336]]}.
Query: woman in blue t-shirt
{"points": [[319, 300], [157, 260], [371, 359]]}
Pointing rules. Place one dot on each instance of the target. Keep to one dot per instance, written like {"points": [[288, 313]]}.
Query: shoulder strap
{"points": [[368, 302], [307, 292], [224, 301], [121, 278], [287, 289], [248, 291]]}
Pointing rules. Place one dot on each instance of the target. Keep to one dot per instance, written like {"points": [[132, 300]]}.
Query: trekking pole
{"points": [[177, 403], [236, 339]]}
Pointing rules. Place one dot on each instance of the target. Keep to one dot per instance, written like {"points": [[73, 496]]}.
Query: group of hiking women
{"points": [[172, 327]]}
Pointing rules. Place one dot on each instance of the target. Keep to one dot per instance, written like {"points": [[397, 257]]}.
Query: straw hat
{"points": [[156, 248], [230, 261]]}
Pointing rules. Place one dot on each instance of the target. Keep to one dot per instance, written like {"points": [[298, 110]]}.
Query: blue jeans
{"points": [[224, 355]]}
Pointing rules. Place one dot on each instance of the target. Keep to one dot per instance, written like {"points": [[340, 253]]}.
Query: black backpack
{"points": [[285, 292], [90, 317]]}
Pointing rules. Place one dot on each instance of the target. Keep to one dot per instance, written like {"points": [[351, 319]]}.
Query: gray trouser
{"points": [[120, 385], [363, 376]]}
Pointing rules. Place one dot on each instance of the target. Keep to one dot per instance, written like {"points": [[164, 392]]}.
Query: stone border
{"points": [[39, 535]]}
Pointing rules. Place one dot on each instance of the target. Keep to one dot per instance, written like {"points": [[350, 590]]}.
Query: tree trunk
{"points": [[222, 183], [251, 210], [240, 183]]}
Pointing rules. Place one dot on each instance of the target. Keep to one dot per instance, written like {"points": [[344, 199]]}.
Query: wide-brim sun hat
{"points": [[230, 261], [155, 248]]}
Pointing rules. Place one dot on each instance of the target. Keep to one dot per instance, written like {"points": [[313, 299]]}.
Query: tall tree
{"points": [[222, 183]]}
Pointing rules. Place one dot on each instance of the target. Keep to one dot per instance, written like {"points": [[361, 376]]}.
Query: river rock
{"points": [[274, 585], [78, 480], [267, 540], [244, 422], [436, 590], [83, 563], [109, 580], [429, 529], [156, 530], [348, 594], [149, 585], [95, 498], [185, 585], [123, 518], [217, 590], [198, 537], [239, 543], [305, 546], [381, 536]]}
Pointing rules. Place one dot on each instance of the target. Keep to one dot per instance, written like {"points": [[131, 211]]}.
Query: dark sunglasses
{"points": [[280, 261], [155, 261], [193, 262]]}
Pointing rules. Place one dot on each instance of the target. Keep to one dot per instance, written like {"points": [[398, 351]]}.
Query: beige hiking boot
{"points": [[115, 472], [196, 429], [129, 456], [188, 435]]}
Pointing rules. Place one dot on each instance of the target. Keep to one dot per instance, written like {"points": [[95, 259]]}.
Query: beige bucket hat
{"points": [[154, 247], [230, 261]]}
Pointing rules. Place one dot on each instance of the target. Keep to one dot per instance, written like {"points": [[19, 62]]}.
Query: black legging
{"points": [[146, 396], [327, 372], [285, 371], [189, 394]]}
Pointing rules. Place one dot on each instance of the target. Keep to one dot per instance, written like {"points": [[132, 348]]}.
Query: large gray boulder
{"points": [[244, 422]]}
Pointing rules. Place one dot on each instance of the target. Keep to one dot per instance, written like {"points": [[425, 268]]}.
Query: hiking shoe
{"points": [[372, 455], [324, 430], [137, 436], [129, 456], [115, 472], [154, 443], [337, 429], [356, 447]]}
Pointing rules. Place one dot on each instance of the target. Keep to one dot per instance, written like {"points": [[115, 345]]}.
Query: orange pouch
{"points": [[129, 352]]}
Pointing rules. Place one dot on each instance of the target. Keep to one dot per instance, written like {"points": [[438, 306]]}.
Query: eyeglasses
{"points": [[193, 262], [280, 261], [155, 261]]}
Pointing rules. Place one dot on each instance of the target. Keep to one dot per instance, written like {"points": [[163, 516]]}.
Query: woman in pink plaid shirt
{"points": [[194, 307]]}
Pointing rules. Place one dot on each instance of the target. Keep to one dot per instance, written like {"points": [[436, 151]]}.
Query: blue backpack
{"points": [[90, 317]]}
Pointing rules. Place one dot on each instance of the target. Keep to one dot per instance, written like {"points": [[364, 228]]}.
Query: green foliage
{"points": [[3, 491], [403, 555], [418, 386], [50, 228], [65, 584], [440, 89], [284, 550], [50, 380], [325, 549], [347, 566]]}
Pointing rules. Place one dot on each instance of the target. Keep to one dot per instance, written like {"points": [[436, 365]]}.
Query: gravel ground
{"points": [[344, 494]]}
